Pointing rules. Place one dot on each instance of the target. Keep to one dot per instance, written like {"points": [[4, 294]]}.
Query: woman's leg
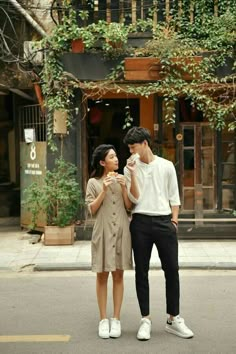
{"points": [[118, 291], [101, 287]]}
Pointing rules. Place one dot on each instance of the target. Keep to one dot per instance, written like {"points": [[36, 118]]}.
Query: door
{"points": [[197, 168]]}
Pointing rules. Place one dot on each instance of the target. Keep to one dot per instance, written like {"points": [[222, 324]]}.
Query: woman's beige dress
{"points": [[111, 241]]}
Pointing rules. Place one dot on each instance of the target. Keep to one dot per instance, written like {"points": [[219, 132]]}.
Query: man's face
{"points": [[137, 148]]}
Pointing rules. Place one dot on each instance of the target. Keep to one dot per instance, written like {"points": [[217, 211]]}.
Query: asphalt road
{"points": [[56, 312]]}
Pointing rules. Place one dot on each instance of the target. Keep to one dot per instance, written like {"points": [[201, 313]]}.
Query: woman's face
{"points": [[111, 162]]}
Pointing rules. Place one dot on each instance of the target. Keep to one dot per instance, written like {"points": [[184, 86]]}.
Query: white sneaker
{"points": [[178, 327], [103, 329], [115, 331], [144, 332]]}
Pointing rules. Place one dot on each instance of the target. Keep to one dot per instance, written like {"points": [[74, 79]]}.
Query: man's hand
{"points": [[131, 164]]}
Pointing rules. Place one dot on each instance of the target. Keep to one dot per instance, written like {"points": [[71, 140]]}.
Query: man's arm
{"points": [[175, 214], [132, 184]]}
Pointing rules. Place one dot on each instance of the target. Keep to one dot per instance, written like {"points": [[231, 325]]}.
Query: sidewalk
{"points": [[17, 253]]}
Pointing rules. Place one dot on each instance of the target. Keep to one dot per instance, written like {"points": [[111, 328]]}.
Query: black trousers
{"points": [[145, 232]]}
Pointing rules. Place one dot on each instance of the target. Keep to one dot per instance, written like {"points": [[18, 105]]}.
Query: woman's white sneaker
{"points": [[103, 329], [178, 327], [115, 331], [144, 332]]}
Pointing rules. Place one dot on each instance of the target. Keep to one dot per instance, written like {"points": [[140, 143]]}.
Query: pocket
{"points": [[173, 227]]}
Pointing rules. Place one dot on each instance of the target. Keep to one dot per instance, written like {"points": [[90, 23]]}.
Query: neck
{"points": [[148, 156]]}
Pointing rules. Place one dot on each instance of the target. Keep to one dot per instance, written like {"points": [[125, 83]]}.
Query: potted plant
{"points": [[59, 198]]}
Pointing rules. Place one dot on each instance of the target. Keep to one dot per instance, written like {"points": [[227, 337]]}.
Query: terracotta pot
{"points": [[77, 46]]}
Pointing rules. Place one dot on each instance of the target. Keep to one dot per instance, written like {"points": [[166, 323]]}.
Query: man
{"points": [[153, 189]]}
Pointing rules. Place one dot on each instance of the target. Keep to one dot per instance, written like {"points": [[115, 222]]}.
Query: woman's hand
{"points": [[121, 180], [106, 182]]}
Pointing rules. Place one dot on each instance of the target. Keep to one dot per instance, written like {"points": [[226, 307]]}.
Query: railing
{"points": [[129, 11]]}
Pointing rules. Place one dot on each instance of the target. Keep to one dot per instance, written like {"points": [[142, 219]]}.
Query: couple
{"points": [[149, 188]]}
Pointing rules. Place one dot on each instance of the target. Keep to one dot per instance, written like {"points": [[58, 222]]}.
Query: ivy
{"points": [[210, 36]]}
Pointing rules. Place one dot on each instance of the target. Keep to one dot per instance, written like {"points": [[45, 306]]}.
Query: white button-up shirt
{"points": [[158, 187]]}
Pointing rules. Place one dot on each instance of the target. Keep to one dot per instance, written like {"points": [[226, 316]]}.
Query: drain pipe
{"points": [[36, 26]]}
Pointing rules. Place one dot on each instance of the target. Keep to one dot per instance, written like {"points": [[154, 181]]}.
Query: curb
{"points": [[86, 266]]}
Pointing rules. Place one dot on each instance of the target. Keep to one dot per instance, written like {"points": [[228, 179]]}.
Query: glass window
{"points": [[228, 199], [228, 173], [188, 136]]}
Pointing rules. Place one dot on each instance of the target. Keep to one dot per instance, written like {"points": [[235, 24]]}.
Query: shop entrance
{"points": [[105, 125]]}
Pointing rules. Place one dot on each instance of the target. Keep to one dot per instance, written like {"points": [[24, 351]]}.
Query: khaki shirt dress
{"points": [[111, 241]]}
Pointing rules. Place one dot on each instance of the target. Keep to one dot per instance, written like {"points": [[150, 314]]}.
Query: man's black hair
{"points": [[137, 135]]}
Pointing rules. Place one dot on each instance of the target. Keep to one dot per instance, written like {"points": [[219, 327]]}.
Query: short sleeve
{"points": [[91, 194]]}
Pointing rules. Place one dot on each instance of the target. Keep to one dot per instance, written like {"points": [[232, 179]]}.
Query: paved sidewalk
{"points": [[17, 253]]}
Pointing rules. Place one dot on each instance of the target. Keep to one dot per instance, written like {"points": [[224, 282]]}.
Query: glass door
{"points": [[197, 167]]}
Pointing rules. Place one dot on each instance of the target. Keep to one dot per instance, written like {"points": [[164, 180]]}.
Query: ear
{"points": [[102, 163]]}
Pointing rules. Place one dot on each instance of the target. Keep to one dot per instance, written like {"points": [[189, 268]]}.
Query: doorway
{"points": [[197, 167], [105, 125]]}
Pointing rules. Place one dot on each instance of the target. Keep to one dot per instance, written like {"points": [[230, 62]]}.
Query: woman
{"points": [[107, 199]]}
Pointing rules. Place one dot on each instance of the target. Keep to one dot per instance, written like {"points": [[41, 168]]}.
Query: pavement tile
{"points": [[16, 252]]}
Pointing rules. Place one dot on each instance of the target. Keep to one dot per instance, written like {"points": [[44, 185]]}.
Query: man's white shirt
{"points": [[158, 187]]}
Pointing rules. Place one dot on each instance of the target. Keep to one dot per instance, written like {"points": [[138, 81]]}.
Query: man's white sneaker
{"points": [[115, 331], [103, 329], [144, 332], [178, 327]]}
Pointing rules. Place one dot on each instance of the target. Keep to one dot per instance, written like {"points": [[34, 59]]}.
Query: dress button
{"points": [[114, 202], [114, 213], [114, 235], [113, 246]]}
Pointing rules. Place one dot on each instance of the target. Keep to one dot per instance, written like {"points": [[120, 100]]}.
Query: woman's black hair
{"points": [[100, 154], [137, 135]]}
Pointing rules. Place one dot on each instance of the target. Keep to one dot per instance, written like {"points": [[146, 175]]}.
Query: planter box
{"points": [[89, 66], [55, 236], [150, 68]]}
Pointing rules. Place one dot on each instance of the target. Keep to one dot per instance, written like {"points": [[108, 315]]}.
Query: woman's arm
{"points": [[127, 202], [93, 202], [95, 205]]}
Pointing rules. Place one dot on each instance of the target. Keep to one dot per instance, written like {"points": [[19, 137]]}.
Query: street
{"points": [[56, 312]]}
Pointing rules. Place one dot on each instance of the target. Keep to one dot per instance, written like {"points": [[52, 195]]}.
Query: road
{"points": [[56, 312]]}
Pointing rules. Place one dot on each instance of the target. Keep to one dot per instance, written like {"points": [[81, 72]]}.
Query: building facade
{"points": [[204, 157]]}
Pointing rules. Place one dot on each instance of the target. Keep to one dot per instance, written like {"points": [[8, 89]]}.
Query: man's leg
{"points": [[167, 246], [140, 228], [142, 247]]}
